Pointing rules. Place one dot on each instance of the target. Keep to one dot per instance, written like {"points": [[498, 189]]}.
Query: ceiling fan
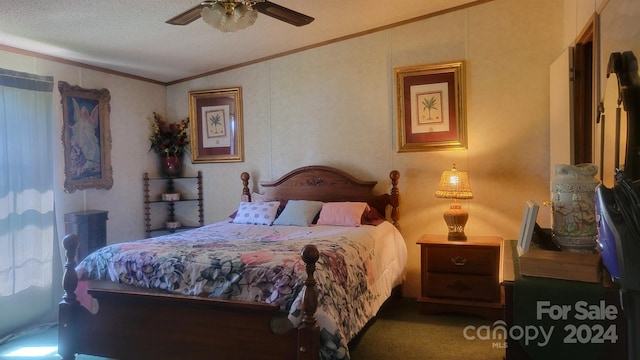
{"points": [[231, 8]]}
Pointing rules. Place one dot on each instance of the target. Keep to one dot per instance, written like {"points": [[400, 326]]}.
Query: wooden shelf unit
{"points": [[171, 216]]}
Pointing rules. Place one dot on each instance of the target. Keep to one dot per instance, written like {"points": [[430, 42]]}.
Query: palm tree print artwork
{"points": [[216, 129], [215, 121], [430, 107], [429, 102], [215, 124]]}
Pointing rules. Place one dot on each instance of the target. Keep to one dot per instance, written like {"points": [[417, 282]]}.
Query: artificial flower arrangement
{"points": [[168, 138]]}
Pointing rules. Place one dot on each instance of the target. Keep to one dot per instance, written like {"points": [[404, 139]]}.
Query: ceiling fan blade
{"points": [[188, 16], [282, 13]]}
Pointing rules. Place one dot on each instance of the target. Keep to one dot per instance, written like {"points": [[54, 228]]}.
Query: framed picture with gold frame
{"points": [[431, 107], [86, 137], [216, 125]]}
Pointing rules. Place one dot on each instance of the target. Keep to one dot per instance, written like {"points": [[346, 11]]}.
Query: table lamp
{"points": [[454, 185]]}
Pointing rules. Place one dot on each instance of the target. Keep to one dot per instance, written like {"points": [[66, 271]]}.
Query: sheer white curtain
{"points": [[28, 244]]}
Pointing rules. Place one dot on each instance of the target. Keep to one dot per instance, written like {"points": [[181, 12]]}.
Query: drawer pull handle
{"points": [[458, 261]]}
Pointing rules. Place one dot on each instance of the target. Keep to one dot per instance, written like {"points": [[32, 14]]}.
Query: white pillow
{"points": [[255, 197], [256, 213]]}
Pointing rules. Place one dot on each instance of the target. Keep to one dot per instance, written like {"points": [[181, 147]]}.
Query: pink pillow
{"points": [[342, 213]]}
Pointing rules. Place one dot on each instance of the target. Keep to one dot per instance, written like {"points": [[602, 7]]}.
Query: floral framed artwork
{"points": [[431, 107], [216, 125], [86, 137]]}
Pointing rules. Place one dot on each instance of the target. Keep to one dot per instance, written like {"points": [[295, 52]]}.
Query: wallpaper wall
{"points": [[336, 105]]}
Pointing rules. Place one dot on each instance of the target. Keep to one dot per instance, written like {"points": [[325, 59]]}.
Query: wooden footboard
{"points": [[135, 325]]}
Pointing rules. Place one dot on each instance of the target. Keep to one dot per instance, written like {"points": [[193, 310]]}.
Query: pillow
{"points": [[342, 213], [257, 213], [299, 212], [371, 216], [256, 198]]}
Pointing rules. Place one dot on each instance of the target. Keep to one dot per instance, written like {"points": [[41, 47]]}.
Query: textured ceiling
{"points": [[131, 36]]}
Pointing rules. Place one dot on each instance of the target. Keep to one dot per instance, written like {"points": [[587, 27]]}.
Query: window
{"points": [[27, 237]]}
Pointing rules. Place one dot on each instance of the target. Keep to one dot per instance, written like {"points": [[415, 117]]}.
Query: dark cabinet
{"points": [[603, 333], [91, 228]]}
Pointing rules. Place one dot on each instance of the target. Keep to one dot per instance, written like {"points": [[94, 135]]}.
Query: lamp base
{"points": [[456, 218], [456, 236]]}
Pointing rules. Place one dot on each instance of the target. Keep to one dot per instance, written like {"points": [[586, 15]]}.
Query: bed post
{"points": [[309, 331], [68, 307], [394, 175], [246, 195]]}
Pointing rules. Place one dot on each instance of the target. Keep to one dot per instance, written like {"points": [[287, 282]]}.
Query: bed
{"points": [[237, 290]]}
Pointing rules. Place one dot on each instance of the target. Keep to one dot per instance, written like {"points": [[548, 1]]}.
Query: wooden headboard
{"points": [[324, 183]]}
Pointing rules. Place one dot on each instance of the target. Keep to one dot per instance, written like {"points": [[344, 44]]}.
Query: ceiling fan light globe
{"points": [[245, 16], [240, 10], [228, 24], [213, 15]]}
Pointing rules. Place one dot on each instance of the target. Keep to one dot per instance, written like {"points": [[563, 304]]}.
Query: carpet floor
{"points": [[398, 332]]}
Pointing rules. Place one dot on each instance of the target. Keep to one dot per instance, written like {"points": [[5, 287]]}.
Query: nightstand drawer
{"points": [[463, 259], [458, 286]]}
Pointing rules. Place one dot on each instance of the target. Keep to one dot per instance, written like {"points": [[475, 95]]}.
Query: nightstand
{"points": [[461, 276]]}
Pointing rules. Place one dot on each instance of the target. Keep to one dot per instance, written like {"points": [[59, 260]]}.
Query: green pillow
{"points": [[299, 213]]}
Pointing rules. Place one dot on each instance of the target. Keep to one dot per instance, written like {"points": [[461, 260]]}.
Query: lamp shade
{"points": [[454, 184]]}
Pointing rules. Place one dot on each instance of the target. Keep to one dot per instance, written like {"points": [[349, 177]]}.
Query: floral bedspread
{"points": [[357, 269]]}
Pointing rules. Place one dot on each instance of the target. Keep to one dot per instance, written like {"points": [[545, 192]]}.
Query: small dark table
{"points": [[91, 228], [515, 350]]}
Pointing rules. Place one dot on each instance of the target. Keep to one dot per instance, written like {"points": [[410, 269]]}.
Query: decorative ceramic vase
{"points": [[171, 165], [574, 207]]}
